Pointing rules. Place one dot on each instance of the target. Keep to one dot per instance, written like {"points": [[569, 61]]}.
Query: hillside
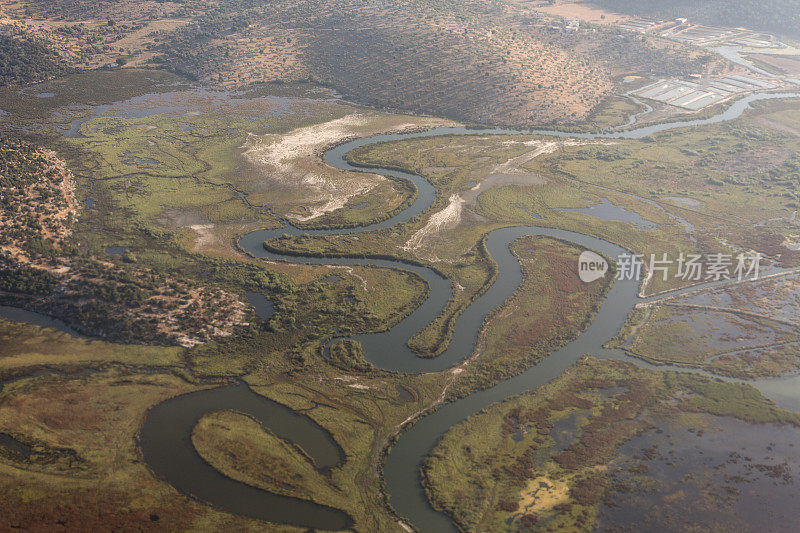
{"points": [[778, 16], [25, 60], [470, 61], [476, 62]]}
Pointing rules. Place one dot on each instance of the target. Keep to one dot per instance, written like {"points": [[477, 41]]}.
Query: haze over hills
{"points": [[778, 16]]}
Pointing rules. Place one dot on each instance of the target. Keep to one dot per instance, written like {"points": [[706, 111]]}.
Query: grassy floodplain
{"points": [[147, 171], [712, 189], [177, 176], [745, 330], [187, 172], [84, 470], [148, 180], [539, 460]]}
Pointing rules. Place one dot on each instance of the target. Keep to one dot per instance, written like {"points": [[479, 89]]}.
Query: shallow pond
{"points": [[37, 319], [116, 250], [722, 474], [14, 446], [263, 305], [607, 211]]}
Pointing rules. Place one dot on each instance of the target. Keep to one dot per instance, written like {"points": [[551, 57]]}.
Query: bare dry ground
{"points": [[92, 34], [586, 12], [289, 166], [787, 64]]}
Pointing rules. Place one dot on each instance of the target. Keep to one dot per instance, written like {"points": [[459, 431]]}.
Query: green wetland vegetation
{"points": [[167, 171], [540, 460]]}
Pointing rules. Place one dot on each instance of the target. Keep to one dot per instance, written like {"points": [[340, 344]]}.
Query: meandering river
{"points": [[166, 435]]}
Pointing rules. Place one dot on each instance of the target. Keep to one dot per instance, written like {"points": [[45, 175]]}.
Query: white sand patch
{"points": [[507, 173], [280, 150], [205, 236], [350, 379], [447, 218], [333, 203], [292, 160]]}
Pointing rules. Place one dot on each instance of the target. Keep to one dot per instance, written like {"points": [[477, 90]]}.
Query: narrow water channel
{"points": [[166, 435]]}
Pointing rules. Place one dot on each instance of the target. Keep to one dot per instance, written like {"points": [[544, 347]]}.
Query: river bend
{"points": [[166, 435]]}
